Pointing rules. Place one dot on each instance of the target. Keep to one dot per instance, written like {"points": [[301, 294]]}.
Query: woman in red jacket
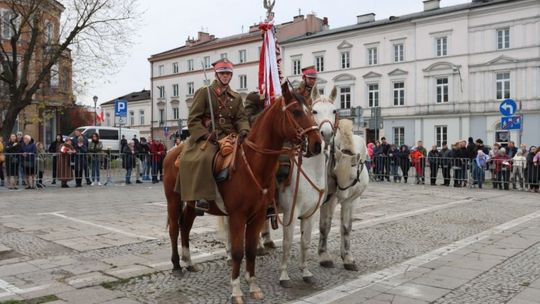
{"points": [[157, 154]]}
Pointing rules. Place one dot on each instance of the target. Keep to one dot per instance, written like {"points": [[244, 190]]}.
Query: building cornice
{"points": [[182, 74]]}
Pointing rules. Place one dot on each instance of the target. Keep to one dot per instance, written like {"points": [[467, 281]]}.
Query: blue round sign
{"points": [[508, 107]]}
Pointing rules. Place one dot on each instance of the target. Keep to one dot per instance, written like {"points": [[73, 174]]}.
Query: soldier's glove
{"points": [[242, 136]]}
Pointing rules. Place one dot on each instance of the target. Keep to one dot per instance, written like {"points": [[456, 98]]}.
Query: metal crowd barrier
{"points": [[457, 172], [105, 169]]}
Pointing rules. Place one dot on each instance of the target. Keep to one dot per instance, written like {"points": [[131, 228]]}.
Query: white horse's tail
{"points": [[221, 229]]}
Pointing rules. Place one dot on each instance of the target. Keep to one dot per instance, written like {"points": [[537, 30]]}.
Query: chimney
{"points": [[203, 37], [432, 5], [325, 25], [365, 18], [298, 18]]}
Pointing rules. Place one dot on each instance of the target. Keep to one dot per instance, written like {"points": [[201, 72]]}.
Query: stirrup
{"points": [[201, 206]]}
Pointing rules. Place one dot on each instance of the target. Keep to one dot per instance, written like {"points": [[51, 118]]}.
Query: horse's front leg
{"points": [[325, 224], [252, 239], [188, 216], [346, 229], [306, 227], [288, 231], [237, 232], [174, 210]]}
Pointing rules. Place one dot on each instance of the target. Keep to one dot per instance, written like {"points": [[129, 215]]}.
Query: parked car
{"points": [[109, 136]]}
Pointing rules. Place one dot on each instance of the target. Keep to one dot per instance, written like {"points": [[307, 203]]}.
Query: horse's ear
{"points": [[286, 91], [333, 94], [314, 94]]}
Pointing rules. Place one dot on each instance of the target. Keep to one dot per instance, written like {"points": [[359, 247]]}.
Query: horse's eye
{"points": [[297, 113], [334, 112], [314, 112]]}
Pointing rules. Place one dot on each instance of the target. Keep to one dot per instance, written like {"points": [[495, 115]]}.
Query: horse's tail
{"points": [[221, 229]]}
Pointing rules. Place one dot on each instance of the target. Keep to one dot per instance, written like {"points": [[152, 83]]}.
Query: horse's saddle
{"points": [[225, 157]]}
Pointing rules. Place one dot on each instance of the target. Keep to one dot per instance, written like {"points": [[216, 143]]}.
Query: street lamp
{"points": [[95, 109]]}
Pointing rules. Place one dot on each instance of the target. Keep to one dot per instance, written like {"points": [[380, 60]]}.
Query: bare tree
{"points": [[94, 33]]}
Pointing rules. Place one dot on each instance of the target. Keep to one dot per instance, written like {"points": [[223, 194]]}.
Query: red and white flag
{"points": [[269, 65], [100, 116]]}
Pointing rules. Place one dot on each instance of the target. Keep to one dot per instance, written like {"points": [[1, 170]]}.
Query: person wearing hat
{"points": [[195, 181], [309, 83]]}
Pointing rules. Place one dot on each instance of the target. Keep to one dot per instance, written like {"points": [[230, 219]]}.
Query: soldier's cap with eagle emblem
{"points": [[223, 65], [310, 72]]}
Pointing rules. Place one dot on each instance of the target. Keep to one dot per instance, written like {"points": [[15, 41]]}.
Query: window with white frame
{"points": [[108, 119], [175, 90], [191, 88], [345, 97], [319, 63], [442, 46], [131, 118], [373, 95], [242, 54], [345, 60], [503, 38], [141, 117], [190, 65], [399, 53], [49, 33], [54, 76], [6, 28], [372, 56], [243, 82], [503, 86], [161, 117], [207, 61], [223, 56], [161, 91], [175, 67], [297, 69], [399, 136], [441, 135], [176, 113], [442, 90], [161, 70], [399, 93]]}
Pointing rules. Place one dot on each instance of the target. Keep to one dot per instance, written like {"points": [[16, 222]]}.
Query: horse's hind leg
{"points": [[288, 231], [346, 229], [252, 239], [174, 209], [306, 227], [188, 216], [325, 223], [267, 238]]}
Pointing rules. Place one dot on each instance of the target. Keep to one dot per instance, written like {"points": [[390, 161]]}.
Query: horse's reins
{"points": [[359, 169]]}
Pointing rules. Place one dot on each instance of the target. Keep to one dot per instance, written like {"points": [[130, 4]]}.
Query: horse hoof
{"points": [[193, 268], [285, 283], [177, 267], [261, 251], [327, 264], [351, 267], [256, 295], [309, 280], [237, 300], [270, 245]]}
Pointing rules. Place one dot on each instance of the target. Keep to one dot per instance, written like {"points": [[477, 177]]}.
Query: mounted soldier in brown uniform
{"points": [[309, 83], [195, 180]]}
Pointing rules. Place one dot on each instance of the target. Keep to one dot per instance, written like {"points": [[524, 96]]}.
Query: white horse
{"points": [[310, 191], [350, 178]]}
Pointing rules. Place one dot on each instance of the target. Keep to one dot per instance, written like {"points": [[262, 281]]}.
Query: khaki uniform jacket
{"points": [[195, 179], [254, 106], [306, 92]]}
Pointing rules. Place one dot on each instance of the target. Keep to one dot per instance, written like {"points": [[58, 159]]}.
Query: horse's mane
{"points": [[346, 130], [301, 100]]}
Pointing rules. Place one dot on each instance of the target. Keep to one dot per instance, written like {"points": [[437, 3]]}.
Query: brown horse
{"points": [[287, 120]]}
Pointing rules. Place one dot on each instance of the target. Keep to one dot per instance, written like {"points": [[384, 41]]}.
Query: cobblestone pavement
{"points": [[111, 246]]}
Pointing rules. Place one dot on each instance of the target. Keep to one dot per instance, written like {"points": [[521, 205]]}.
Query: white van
{"points": [[109, 136]]}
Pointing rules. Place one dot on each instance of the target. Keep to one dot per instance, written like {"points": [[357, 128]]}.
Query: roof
{"points": [[399, 19], [134, 96]]}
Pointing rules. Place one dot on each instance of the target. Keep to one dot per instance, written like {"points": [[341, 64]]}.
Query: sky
{"points": [[166, 24]]}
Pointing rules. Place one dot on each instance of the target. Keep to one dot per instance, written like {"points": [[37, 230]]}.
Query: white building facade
{"points": [[138, 112], [437, 75]]}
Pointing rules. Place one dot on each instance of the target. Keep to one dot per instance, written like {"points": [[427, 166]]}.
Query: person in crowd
{"points": [[80, 160], [130, 159], [123, 143], [378, 159], [95, 150], [420, 148], [523, 148], [465, 164], [369, 160], [63, 165], [404, 161], [386, 164], [457, 163], [492, 154], [75, 140], [534, 168], [393, 154], [144, 153], [519, 163], [53, 149], [471, 149], [40, 164], [503, 167], [177, 141], [29, 161], [2, 161], [22, 176], [418, 161], [480, 146], [157, 151], [434, 161], [479, 166], [511, 149], [13, 154], [446, 163]]}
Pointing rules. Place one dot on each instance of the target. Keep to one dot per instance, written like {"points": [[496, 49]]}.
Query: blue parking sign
{"points": [[120, 108]]}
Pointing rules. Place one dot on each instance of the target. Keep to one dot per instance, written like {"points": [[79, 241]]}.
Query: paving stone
{"points": [[90, 295], [529, 294], [122, 301], [4, 248], [89, 279], [18, 268], [395, 299], [419, 292]]}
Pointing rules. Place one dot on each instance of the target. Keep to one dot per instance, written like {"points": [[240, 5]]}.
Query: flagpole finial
{"points": [[269, 6]]}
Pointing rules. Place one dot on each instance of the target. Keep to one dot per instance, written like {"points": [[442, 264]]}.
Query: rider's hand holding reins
{"points": [[242, 136]]}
